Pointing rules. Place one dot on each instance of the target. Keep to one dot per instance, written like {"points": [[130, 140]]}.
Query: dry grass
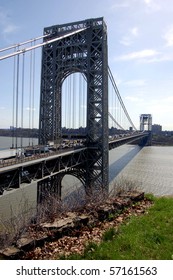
{"points": [[53, 207]]}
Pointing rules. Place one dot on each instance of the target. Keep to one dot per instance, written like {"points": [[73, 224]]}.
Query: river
{"points": [[149, 169], [6, 142]]}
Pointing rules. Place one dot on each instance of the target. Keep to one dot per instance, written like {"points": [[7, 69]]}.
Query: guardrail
{"points": [[22, 159]]}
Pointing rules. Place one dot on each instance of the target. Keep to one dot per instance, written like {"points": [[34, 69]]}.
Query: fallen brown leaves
{"points": [[76, 242]]}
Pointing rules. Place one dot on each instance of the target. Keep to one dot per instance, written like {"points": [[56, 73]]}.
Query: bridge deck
{"points": [[8, 165]]}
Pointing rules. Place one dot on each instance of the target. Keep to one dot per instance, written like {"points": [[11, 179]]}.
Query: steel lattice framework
{"points": [[84, 52]]}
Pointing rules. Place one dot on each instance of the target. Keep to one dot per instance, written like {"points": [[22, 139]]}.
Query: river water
{"points": [[149, 169], [7, 142]]}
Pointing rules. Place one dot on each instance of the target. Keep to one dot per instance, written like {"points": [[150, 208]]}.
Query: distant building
{"points": [[156, 128]]}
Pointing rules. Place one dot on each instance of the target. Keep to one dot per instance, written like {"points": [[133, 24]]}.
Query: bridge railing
{"points": [[13, 161]]}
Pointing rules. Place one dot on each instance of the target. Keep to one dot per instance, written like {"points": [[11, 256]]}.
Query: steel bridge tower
{"points": [[146, 125], [145, 122], [84, 52]]}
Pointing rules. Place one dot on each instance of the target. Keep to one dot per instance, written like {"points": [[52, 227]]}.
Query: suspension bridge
{"points": [[81, 113]]}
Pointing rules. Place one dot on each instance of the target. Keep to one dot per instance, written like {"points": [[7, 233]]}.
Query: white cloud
{"points": [[128, 39], [169, 36], [134, 99], [6, 25], [169, 99], [162, 57], [135, 83], [148, 2], [160, 109], [124, 4], [10, 28], [135, 31], [152, 5], [148, 53]]}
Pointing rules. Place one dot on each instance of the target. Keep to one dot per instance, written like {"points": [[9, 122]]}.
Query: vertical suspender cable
{"points": [[64, 103], [69, 102], [70, 111], [22, 99], [33, 92], [84, 103], [14, 82], [116, 107], [74, 100], [30, 95], [108, 99], [17, 97], [80, 99], [112, 104], [63, 100]]}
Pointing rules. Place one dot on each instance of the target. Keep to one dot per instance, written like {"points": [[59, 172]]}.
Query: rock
{"points": [[104, 211], [58, 224], [74, 225], [134, 196], [25, 242], [82, 220], [10, 252]]}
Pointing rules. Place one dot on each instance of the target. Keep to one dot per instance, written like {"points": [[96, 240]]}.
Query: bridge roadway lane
{"points": [[127, 139], [11, 164], [40, 166], [14, 163]]}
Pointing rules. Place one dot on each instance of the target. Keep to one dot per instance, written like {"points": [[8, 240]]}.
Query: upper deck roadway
{"points": [[15, 171]]}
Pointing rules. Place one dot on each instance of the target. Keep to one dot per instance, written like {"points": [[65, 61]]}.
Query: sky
{"points": [[140, 49]]}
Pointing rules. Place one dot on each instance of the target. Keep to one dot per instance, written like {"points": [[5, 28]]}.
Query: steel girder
{"points": [[84, 52], [43, 169]]}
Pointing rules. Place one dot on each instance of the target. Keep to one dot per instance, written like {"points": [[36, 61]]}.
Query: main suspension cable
{"points": [[42, 44], [119, 97], [23, 43]]}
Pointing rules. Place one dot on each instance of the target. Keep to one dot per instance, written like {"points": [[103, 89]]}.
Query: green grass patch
{"points": [[148, 237]]}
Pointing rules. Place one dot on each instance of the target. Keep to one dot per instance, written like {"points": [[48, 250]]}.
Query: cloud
{"points": [[134, 99], [148, 53], [10, 29], [148, 2], [160, 109], [169, 99], [135, 83], [6, 25], [169, 36], [128, 39], [135, 31], [121, 5], [152, 5]]}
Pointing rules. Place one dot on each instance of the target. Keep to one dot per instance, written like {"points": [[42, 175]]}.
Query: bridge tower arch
{"points": [[86, 52]]}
